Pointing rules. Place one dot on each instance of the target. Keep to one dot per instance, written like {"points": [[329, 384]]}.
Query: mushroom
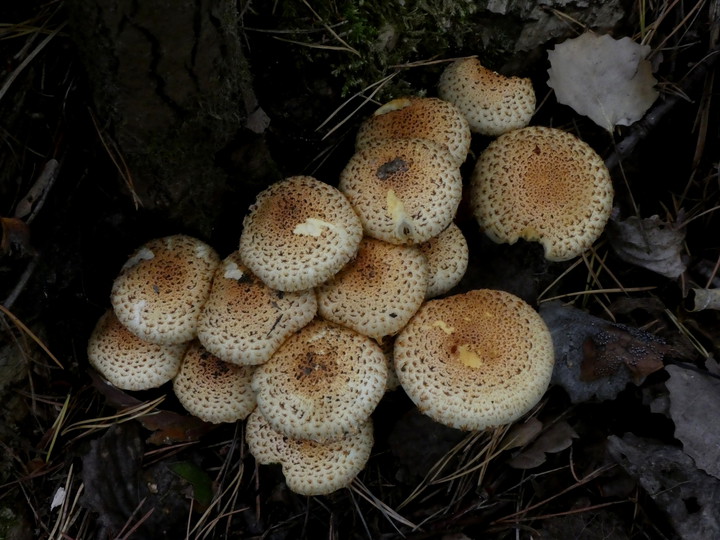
{"points": [[542, 184], [447, 256], [475, 360], [128, 362], [405, 190], [418, 118], [244, 321], [310, 468], [322, 383], [162, 287], [213, 390], [378, 292], [299, 233], [492, 103]]}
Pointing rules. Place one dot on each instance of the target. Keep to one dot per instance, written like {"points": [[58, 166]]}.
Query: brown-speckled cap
{"points": [[475, 360], [244, 321], [492, 103], [299, 233], [542, 184], [162, 287], [310, 468], [128, 362], [418, 118], [405, 190], [378, 292], [447, 257], [213, 390], [322, 383]]}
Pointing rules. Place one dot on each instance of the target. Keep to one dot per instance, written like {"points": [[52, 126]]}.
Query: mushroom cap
{"points": [[492, 103], [542, 184], [322, 383], [405, 190], [299, 233], [447, 256], [244, 321], [475, 360], [213, 390], [378, 292], [418, 118], [310, 468], [162, 287], [127, 361]]}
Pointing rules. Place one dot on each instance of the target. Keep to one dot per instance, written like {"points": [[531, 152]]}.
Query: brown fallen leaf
{"points": [[554, 439], [15, 237]]}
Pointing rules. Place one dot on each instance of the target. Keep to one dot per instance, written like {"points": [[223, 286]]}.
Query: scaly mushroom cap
{"points": [[492, 103], [475, 360], [127, 361], [299, 233], [213, 390], [244, 321], [162, 287], [405, 190], [310, 468], [378, 292], [418, 118], [322, 383], [542, 184], [447, 256]]}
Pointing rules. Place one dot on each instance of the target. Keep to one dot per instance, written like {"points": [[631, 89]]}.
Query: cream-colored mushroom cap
{"points": [[418, 118], [322, 383], [310, 468], [299, 233], [475, 360], [542, 184], [128, 362], [492, 103], [405, 190], [244, 321], [447, 256], [162, 287], [378, 292], [213, 390]]}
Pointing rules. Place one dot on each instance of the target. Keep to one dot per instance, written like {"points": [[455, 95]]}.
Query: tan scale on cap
{"points": [[418, 118], [492, 103], [213, 390], [542, 184], [378, 292], [447, 256], [322, 383], [475, 360], [162, 287], [310, 468], [244, 321], [299, 233], [405, 190], [128, 362]]}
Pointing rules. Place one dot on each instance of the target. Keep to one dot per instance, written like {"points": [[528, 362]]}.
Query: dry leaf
{"points": [[15, 237], [521, 434], [556, 438], [704, 299], [603, 78]]}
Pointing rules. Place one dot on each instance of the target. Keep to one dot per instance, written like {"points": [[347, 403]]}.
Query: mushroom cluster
{"points": [[330, 299]]}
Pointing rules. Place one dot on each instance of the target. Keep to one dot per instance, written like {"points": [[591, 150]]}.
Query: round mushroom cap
{"points": [[418, 118], [244, 321], [299, 233], [492, 103], [405, 190], [378, 292], [542, 184], [162, 287], [213, 390], [322, 383], [475, 360], [310, 468], [128, 362], [447, 256]]}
